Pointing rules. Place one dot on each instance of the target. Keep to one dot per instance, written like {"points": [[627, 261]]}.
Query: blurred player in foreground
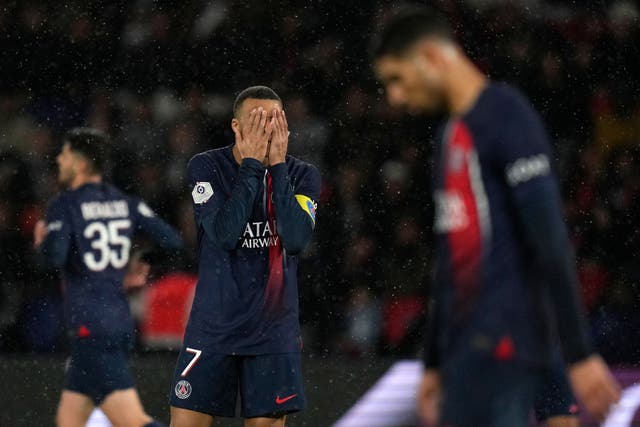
{"points": [[254, 209], [505, 281], [87, 235]]}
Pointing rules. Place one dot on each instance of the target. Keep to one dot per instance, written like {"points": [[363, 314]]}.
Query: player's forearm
{"points": [[546, 231], [295, 227], [226, 225]]}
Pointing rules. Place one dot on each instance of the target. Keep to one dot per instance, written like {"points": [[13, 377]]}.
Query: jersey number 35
{"points": [[112, 245]]}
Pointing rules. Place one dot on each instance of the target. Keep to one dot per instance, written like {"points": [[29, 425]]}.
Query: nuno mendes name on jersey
{"points": [[259, 234]]}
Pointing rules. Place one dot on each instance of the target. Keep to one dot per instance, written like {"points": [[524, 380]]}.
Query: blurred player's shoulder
{"points": [[101, 190], [211, 158], [508, 100], [61, 201], [502, 113]]}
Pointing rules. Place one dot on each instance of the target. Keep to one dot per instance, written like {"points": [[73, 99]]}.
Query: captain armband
{"points": [[307, 205]]}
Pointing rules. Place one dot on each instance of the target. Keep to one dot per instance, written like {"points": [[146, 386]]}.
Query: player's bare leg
{"points": [[564, 421], [186, 418], [265, 422], [74, 409], [124, 408]]}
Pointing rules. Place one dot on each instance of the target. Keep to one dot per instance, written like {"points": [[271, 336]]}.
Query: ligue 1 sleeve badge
{"points": [[183, 389], [202, 192]]}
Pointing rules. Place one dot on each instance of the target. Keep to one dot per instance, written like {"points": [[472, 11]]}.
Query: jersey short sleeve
{"points": [[58, 222], [155, 227], [56, 244]]}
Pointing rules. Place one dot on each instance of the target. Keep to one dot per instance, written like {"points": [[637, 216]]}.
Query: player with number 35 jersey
{"points": [[87, 235]]}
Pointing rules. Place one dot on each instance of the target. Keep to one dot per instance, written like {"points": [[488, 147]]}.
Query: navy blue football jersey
{"points": [[252, 223], [504, 269], [89, 232]]}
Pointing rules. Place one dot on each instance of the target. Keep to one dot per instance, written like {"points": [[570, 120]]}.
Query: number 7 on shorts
{"points": [[197, 354]]}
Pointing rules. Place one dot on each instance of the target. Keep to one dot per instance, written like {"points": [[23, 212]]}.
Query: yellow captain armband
{"points": [[307, 205]]}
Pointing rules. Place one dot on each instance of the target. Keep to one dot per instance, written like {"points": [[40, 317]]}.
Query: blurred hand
{"points": [[137, 274], [253, 141], [429, 397], [39, 233], [594, 386], [279, 138]]}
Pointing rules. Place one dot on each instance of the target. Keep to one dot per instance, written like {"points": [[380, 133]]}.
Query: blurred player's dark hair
{"points": [[406, 26], [90, 143], [254, 92]]}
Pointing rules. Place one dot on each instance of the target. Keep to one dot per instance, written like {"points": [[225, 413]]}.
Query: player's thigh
{"points": [[271, 385], [479, 390], [205, 382], [181, 417], [74, 409], [265, 422], [124, 408], [97, 371]]}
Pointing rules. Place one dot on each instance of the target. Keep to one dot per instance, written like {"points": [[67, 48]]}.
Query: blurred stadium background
{"points": [[160, 78]]}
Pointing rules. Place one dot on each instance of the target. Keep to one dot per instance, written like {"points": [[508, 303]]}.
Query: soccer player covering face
{"points": [[505, 282], [87, 235], [254, 209]]}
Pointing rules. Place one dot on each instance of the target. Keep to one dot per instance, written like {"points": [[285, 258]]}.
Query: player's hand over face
{"points": [[39, 233], [429, 397], [279, 138], [594, 386], [254, 139]]}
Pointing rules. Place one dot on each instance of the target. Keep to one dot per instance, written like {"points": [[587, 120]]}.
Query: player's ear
{"points": [[428, 52], [235, 125], [80, 164]]}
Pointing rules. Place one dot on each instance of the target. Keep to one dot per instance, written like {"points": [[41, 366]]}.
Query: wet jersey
{"points": [[89, 232], [252, 224], [505, 277]]}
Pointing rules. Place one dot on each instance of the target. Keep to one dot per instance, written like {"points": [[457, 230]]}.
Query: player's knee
{"points": [[564, 421], [265, 422], [132, 419], [186, 418], [64, 419], [60, 420]]}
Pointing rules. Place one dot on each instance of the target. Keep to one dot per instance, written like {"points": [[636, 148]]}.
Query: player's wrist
{"points": [[276, 164], [582, 360], [252, 163]]}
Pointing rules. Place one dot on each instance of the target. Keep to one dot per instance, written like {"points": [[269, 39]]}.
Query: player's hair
{"points": [[406, 26], [90, 143], [254, 92]]}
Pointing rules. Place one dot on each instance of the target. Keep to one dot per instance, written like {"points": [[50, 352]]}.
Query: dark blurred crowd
{"points": [[160, 78]]}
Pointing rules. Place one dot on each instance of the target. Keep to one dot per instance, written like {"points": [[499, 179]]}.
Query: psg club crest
{"points": [[183, 389], [202, 192]]}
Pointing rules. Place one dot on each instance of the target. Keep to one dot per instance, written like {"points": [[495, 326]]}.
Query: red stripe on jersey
{"points": [[275, 281], [465, 243]]}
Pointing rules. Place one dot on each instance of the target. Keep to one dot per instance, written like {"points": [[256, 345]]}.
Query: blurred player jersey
{"points": [[89, 239], [489, 292], [239, 306]]}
